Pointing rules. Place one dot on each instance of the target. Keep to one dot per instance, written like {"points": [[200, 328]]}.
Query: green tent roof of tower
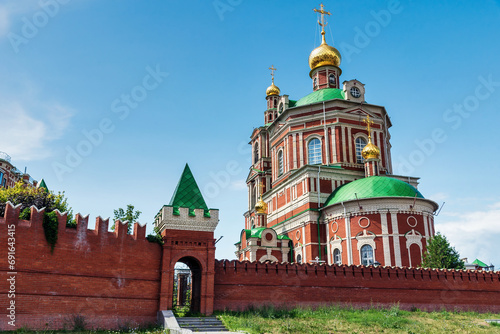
{"points": [[321, 95], [370, 187], [43, 185], [187, 194]]}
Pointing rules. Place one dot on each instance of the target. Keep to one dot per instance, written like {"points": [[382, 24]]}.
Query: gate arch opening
{"points": [[187, 284]]}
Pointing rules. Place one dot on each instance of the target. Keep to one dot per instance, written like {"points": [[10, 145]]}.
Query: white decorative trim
{"points": [[336, 223], [408, 221], [413, 237], [366, 238], [367, 225], [297, 235], [269, 243]]}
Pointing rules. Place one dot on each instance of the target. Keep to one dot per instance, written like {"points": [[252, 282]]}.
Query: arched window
{"points": [[281, 108], [299, 259], [314, 152], [360, 144], [332, 80], [256, 153], [366, 255], [253, 199], [280, 163], [337, 259], [315, 83]]}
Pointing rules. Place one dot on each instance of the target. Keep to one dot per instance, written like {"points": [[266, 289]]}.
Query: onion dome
{"points": [[272, 90], [261, 206], [370, 151], [324, 55]]}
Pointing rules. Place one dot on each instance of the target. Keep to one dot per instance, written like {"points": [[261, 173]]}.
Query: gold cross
{"points": [[272, 68], [261, 185], [368, 123], [323, 22]]}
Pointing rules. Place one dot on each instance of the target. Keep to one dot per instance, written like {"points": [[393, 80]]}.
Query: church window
{"points": [[299, 259], [315, 83], [280, 163], [337, 258], [314, 151], [331, 80], [360, 144], [366, 255], [256, 153], [281, 108]]}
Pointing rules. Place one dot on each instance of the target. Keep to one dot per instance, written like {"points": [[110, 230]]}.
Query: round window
{"points": [[355, 92]]}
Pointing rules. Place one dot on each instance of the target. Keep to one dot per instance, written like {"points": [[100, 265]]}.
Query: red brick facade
{"points": [[113, 279]]}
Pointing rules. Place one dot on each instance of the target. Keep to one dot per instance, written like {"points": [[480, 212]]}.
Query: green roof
{"points": [[321, 95], [257, 233], [370, 187], [187, 194], [480, 263], [43, 185]]}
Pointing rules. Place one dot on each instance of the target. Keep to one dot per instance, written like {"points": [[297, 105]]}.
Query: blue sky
{"points": [[160, 83]]}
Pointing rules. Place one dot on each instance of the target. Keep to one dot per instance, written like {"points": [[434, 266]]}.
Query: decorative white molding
{"points": [[366, 238]]}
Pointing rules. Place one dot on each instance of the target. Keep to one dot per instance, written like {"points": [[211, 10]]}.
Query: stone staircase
{"points": [[204, 324]]}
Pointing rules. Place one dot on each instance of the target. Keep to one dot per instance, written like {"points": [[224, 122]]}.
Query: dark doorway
{"points": [[187, 285]]}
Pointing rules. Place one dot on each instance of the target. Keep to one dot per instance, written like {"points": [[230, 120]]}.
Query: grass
{"points": [[336, 319]]}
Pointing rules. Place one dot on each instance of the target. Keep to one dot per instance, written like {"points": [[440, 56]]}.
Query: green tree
{"points": [[126, 215], [40, 197], [440, 254]]}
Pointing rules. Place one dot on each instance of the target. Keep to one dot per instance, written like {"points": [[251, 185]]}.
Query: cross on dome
{"points": [[368, 123], [272, 68], [323, 22]]}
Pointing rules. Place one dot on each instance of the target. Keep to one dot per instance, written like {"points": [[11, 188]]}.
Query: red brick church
{"points": [[321, 187]]}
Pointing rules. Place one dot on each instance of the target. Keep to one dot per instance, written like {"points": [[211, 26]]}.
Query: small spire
{"points": [[323, 22]]}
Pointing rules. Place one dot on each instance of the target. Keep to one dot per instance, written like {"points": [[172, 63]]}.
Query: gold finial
{"points": [[272, 68], [369, 123], [370, 151], [261, 206], [323, 22]]}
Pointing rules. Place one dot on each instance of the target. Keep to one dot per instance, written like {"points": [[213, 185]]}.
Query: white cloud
{"points": [[25, 137], [474, 234], [10, 9]]}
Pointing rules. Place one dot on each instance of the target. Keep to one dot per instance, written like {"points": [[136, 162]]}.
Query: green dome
{"points": [[321, 95], [371, 187]]}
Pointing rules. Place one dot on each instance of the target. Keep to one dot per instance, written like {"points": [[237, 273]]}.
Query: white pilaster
{"points": [[395, 235], [385, 239]]}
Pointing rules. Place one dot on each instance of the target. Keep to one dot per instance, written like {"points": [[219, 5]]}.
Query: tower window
{"points": [[314, 151], [332, 80], [256, 153], [299, 259], [360, 144], [337, 259], [315, 83], [280, 163], [366, 255]]}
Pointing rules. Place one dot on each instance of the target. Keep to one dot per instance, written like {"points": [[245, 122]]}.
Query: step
{"points": [[197, 324]]}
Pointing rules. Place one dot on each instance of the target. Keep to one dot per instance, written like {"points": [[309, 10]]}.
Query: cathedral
{"points": [[321, 187]]}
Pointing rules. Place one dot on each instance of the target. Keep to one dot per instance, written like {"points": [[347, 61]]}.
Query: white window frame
{"points": [[309, 140], [361, 254], [361, 149], [280, 162]]}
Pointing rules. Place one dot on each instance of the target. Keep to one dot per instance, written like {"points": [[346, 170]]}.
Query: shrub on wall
{"points": [[50, 225]]}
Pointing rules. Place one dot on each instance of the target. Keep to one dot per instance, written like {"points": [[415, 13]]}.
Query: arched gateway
{"points": [[187, 213]]}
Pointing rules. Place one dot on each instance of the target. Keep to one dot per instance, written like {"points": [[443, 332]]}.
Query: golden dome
{"points": [[261, 206], [324, 55], [272, 90], [370, 151]]}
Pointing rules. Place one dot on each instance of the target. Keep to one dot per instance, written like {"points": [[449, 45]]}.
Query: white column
{"points": [[301, 148], [334, 145], [385, 238], [426, 225], [348, 239], [328, 250], [294, 136], [349, 144], [395, 236], [344, 144]]}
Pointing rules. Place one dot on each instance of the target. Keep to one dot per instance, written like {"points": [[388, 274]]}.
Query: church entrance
{"points": [[187, 286]]}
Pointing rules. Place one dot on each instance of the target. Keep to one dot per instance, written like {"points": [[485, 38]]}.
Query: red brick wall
{"points": [[239, 285], [110, 278]]}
